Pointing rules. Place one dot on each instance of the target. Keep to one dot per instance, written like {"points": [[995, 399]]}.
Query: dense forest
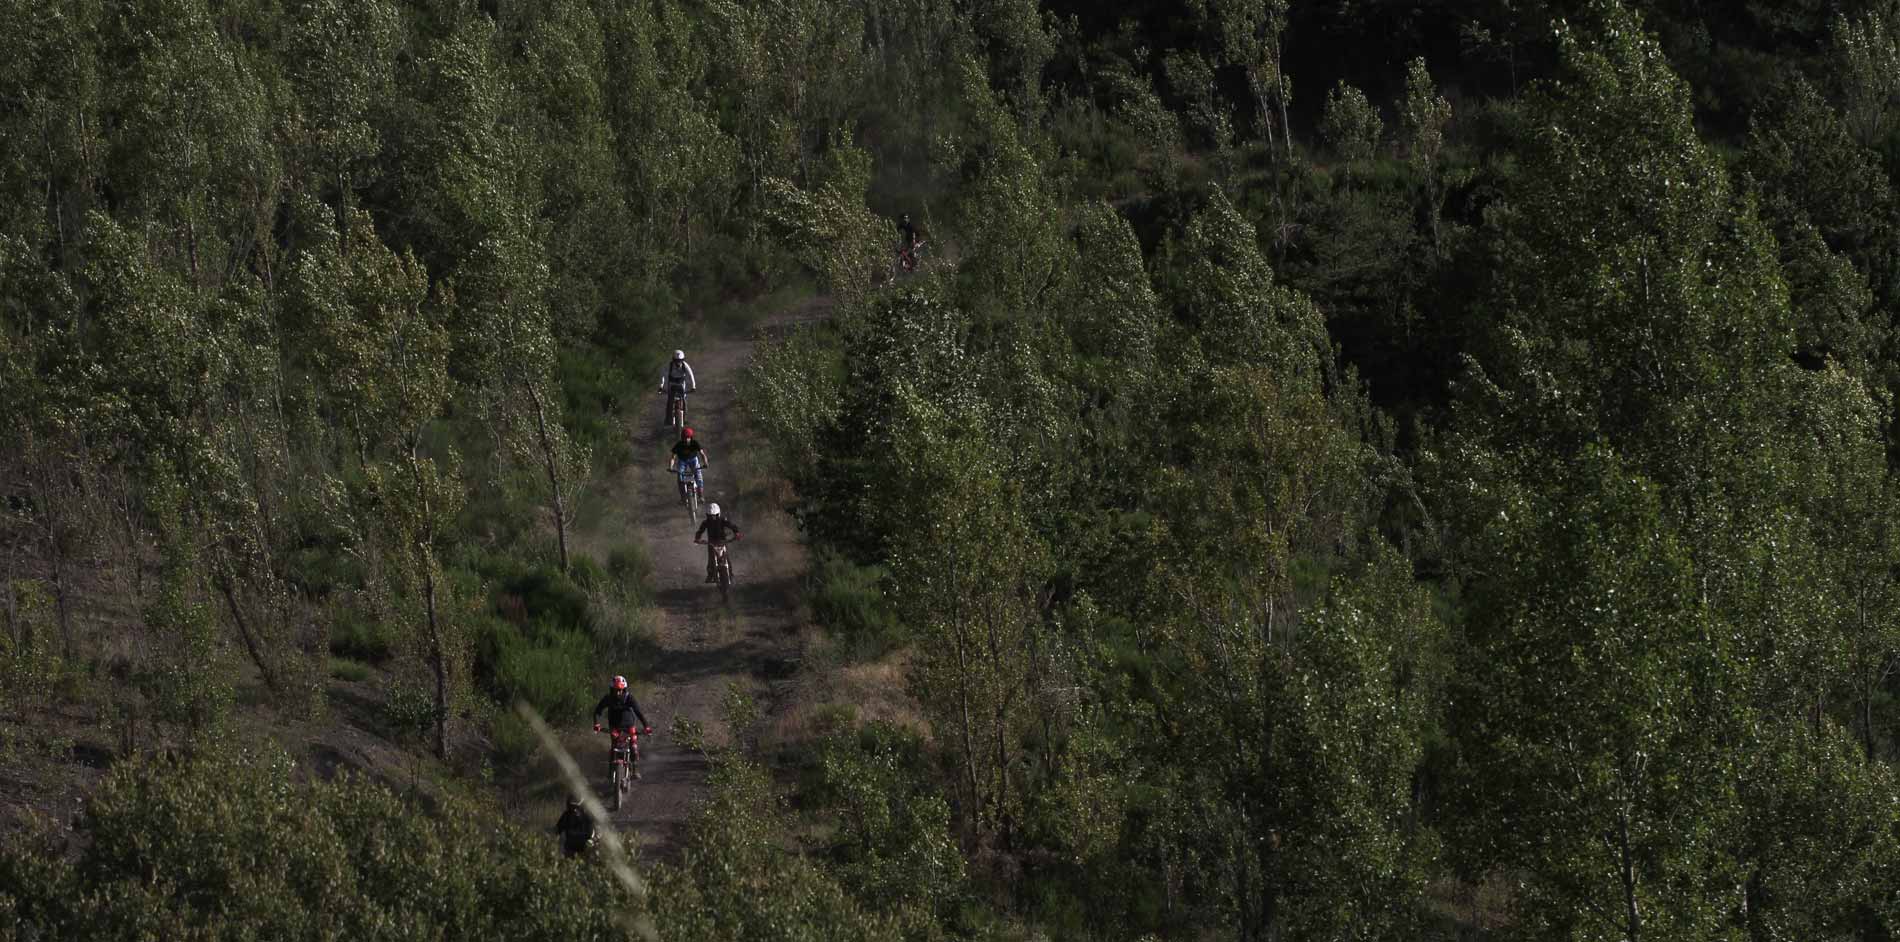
{"points": [[1371, 469]]}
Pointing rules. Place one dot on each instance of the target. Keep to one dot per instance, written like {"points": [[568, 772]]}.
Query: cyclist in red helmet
{"points": [[689, 448], [621, 711]]}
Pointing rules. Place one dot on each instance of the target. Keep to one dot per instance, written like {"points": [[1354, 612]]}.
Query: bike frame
{"points": [[676, 407]]}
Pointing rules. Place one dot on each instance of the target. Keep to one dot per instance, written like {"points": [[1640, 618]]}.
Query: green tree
{"points": [[1424, 117], [1351, 126], [1250, 34], [383, 356]]}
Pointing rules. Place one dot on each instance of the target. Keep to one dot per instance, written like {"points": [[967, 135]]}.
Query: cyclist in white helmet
{"points": [[714, 531], [676, 380]]}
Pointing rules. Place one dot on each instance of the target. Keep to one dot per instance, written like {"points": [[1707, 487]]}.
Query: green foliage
{"points": [[632, 571], [849, 601], [30, 667], [314, 316], [1351, 126], [549, 667], [893, 846], [234, 848], [735, 881], [342, 668]]}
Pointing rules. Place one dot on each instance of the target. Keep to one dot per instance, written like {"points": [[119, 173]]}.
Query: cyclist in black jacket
{"points": [[576, 828], [621, 711], [713, 531]]}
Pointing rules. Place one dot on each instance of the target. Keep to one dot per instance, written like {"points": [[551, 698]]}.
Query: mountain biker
{"points": [[907, 241], [576, 828], [621, 710], [713, 531], [677, 380], [689, 448]]}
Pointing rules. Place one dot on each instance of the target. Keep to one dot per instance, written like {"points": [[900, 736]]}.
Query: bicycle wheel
{"points": [[725, 580], [620, 783]]}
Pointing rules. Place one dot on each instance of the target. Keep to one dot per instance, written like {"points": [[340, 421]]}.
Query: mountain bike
{"points": [[907, 258], [676, 407], [691, 491], [722, 568], [624, 755]]}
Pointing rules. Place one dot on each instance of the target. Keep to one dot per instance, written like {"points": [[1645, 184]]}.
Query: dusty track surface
{"points": [[704, 645]]}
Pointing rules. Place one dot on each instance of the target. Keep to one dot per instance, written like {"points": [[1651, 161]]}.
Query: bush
{"points": [[342, 668], [213, 847], [625, 635], [587, 573], [546, 665], [513, 739], [632, 572], [848, 600], [358, 637], [552, 676]]}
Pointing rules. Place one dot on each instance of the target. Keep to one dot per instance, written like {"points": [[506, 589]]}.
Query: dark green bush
{"points": [[632, 572], [356, 636], [546, 665], [848, 600], [587, 572], [216, 847]]}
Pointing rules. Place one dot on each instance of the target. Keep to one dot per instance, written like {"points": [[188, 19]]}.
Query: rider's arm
{"points": [[702, 529], [691, 383], [602, 706], [636, 711]]}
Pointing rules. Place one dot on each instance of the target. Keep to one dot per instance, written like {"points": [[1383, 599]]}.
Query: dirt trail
{"points": [[704, 645]]}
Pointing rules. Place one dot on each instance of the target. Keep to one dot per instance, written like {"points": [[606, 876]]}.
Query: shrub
{"points": [[632, 572], [356, 636], [552, 675], [622, 635], [849, 601], [587, 572], [220, 847], [514, 741], [342, 668]]}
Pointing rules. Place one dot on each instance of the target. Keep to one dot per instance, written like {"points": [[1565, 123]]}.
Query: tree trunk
{"points": [[226, 588], [1262, 103], [963, 703], [550, 462], [50, 520], [438, 663], [1633, 920], [436, 660]]}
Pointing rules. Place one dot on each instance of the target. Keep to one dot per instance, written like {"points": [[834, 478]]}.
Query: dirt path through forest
{"points": [[704, 645]]}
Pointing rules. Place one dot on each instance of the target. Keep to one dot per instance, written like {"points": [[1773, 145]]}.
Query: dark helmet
{"points": [[573, 801]]}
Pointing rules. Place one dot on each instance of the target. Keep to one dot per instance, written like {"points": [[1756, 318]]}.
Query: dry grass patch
{"points": [[872, 691]]}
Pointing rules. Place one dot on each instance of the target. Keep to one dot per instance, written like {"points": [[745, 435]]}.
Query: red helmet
{"points": [[686, 433], [620, 683]]}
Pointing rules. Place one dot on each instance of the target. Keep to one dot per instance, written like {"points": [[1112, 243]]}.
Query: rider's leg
{"points": [[710, 577]]}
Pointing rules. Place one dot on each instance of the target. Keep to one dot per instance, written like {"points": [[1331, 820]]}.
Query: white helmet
{"points": [[712, 510], [679, 354]]}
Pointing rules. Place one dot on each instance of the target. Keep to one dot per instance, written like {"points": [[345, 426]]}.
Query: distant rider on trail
{"points": [[676, 381], [907, 243], [715, 531], [622, 710], [688, 449], [576, 828]]}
